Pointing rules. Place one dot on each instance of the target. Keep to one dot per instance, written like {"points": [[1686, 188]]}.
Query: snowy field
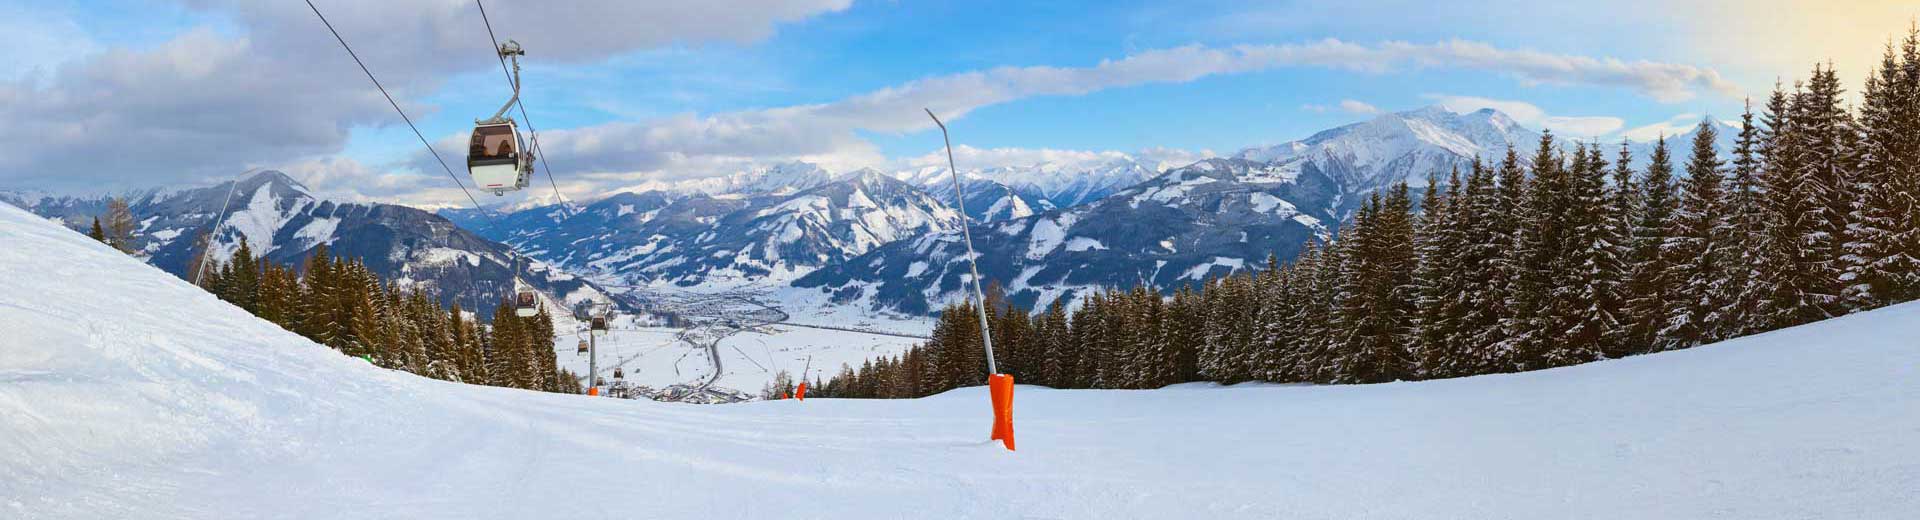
{"points": [[125, 393], [653, 356]]}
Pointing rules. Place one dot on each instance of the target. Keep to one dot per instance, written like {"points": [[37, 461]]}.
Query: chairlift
{"points": [[497, 157]]}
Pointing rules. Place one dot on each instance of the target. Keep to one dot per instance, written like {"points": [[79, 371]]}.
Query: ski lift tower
{"points": [[596, 327]]}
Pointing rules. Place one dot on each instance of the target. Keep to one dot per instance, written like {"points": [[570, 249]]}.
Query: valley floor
{"points": [[655, 357], [125, 393]]}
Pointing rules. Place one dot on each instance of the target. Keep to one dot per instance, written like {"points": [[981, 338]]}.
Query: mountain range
{"points": [[1045, 232], [283, 222], [750, 235]]}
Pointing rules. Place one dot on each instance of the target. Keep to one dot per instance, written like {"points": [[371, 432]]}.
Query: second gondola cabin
{"points": [[525, 304]]}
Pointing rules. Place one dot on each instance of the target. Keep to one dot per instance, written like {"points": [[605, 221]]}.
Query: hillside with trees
{"points": [[1514, 266], [341, 304]]}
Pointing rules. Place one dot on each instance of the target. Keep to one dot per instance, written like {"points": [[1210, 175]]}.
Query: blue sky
{"points": [[677, 90]]}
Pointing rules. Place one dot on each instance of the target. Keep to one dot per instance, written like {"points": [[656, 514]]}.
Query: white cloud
{"points": [[39, 40], [689, 145], [1665, 82], [1676, 125], [1161, 158], [1345, 105], [1533, 116], [1357, 107], [204, 102], [971, 158]]}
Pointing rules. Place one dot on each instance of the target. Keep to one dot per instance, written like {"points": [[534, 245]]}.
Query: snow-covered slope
{"points": [[185, 407]]}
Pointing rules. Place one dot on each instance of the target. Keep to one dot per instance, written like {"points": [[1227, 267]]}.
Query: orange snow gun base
{"points": [[1000, 389], [800, 393]]}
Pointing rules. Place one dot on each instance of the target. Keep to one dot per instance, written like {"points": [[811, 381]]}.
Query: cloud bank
{"points": [[205, 104]]}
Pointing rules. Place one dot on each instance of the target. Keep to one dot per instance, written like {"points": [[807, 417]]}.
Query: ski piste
{"points": [[209, 410]]}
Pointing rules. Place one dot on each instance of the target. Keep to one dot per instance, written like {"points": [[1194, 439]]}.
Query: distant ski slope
{"points": [[125, 393]]}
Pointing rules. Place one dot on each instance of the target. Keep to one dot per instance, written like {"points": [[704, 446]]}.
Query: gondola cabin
{"points": [[617, 374], [599, 325], [497, 158], [525, 304], [583, 347]]}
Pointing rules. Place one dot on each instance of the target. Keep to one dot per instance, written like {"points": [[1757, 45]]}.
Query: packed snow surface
{"points": [[126, 393]]}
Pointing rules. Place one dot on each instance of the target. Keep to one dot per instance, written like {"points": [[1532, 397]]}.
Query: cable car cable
{"points": [[396, 108], [416, 133], [532, 133]]}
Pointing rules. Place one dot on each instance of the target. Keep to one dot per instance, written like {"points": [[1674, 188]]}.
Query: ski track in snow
{"points": [[126, 393]]}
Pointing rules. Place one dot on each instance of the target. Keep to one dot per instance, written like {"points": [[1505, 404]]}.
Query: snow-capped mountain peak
{"points": [[783, 178], [1398, 146]]}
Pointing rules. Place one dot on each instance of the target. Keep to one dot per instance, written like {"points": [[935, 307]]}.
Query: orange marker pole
{"points": [[1000, 388], [801, 392]]}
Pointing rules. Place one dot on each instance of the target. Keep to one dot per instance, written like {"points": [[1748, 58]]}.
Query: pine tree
{"points": [[1473, 312], [1437, 279], [1824, 131], [1059, 350], [440, 341], [1538, 262], [1218, 360], [1788, 290], [1623, 221], [318, 312], [1154, 360], [1697, 247], [1745, 216], [1184, 335], [1276, 343], [1320, 282], [1506, 248], [1375, 301], [242, 284], [97, 233], [1650, 283], [1586, 300], [540, 336], [506, 362], [1882, 260]]}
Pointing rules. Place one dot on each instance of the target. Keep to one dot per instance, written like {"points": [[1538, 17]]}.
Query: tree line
{"points": [[1566, 258], [342, 304]]}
